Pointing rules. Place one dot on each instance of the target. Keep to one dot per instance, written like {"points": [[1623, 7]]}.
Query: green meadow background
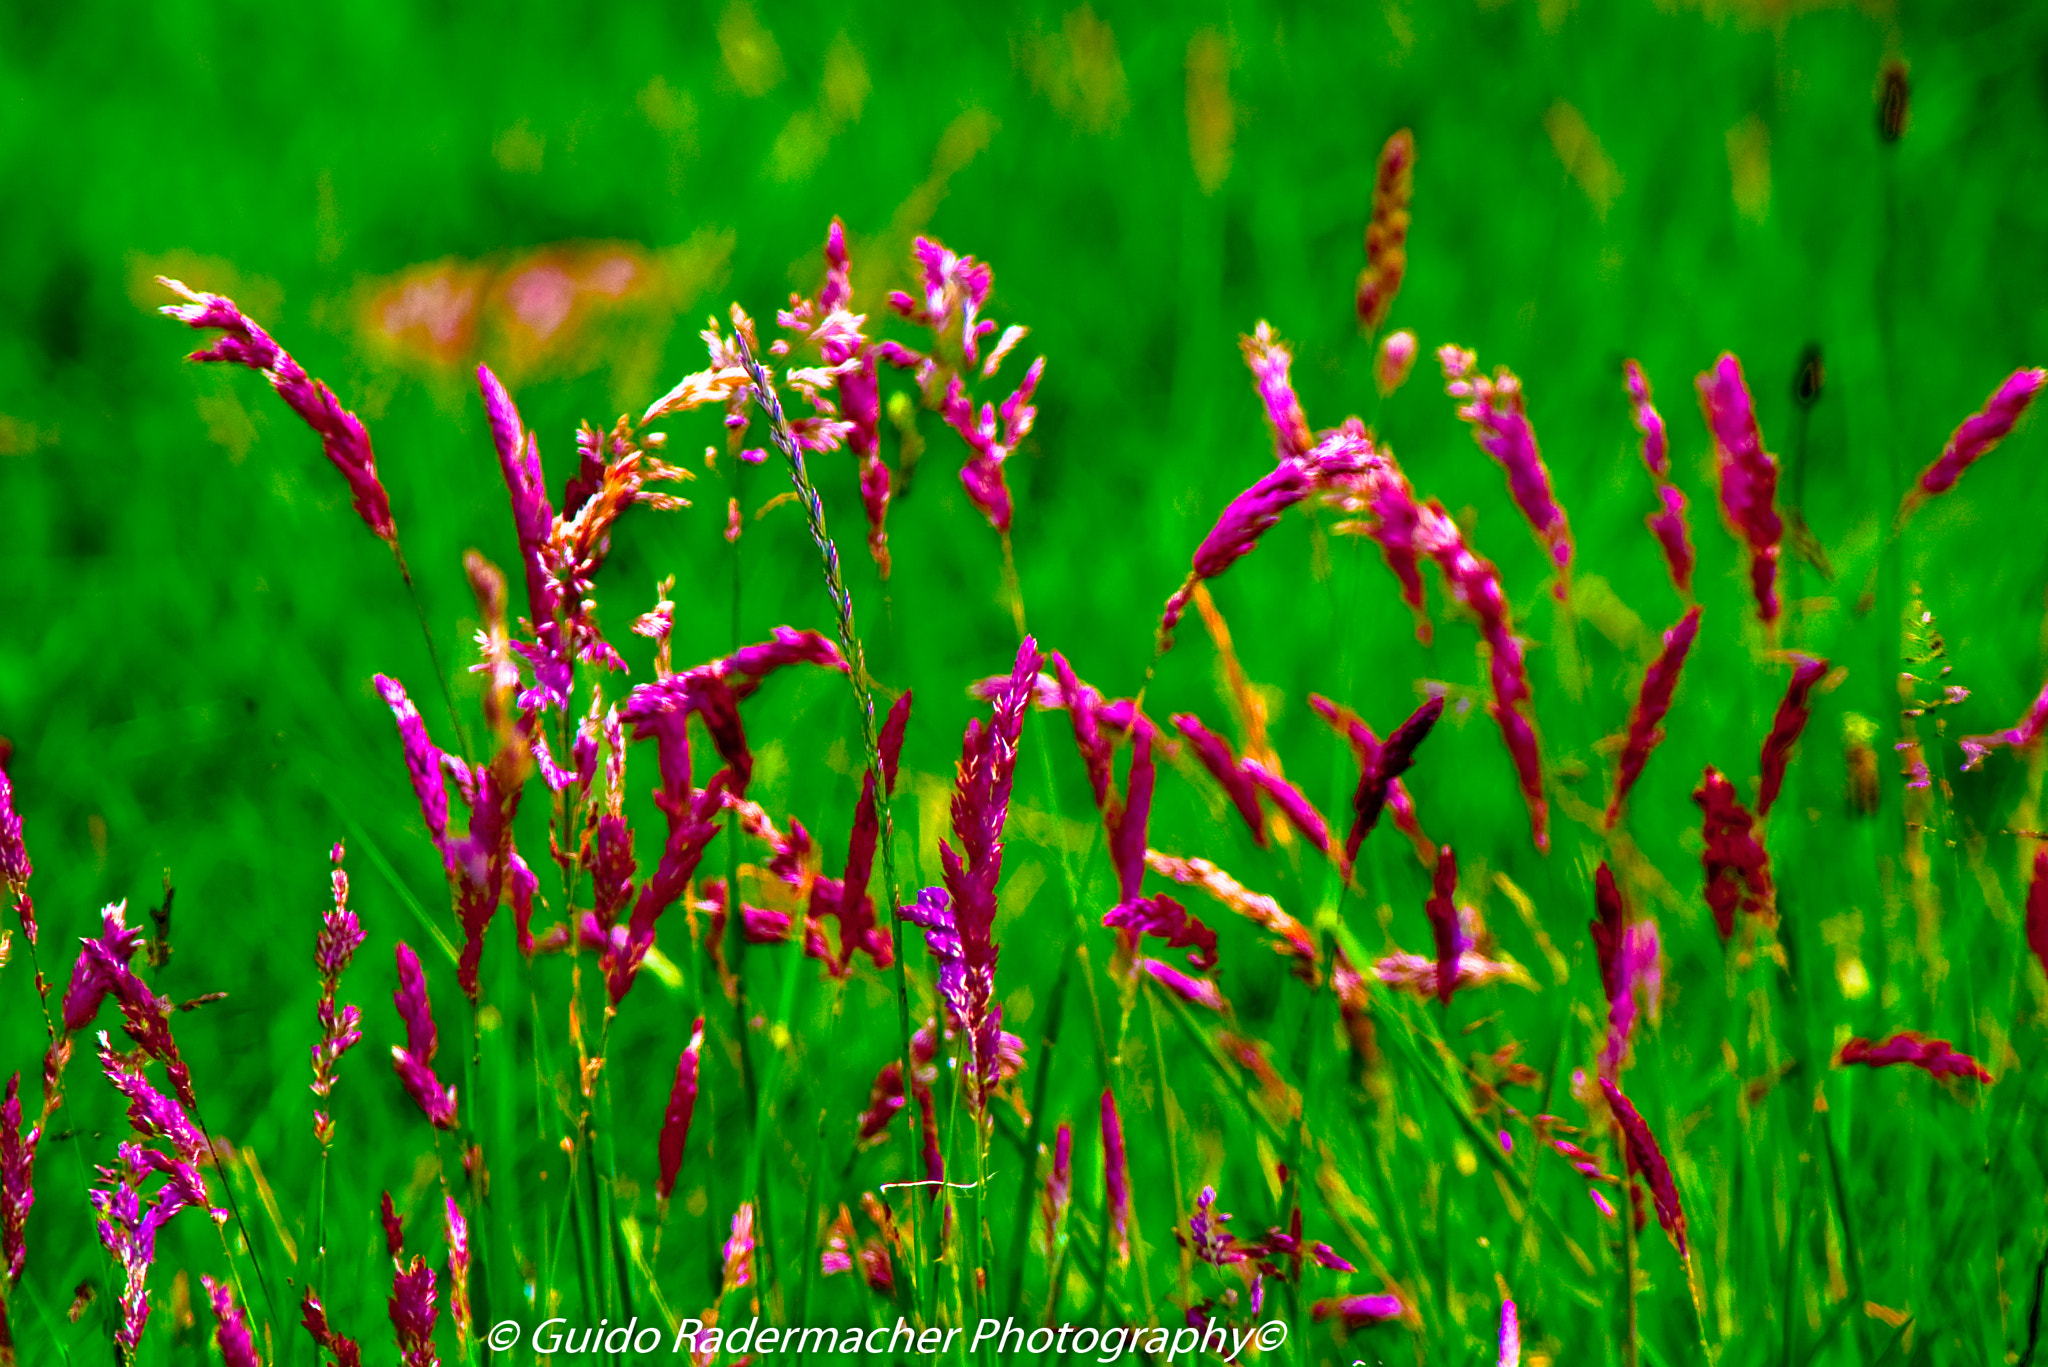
{"points": [[192, 614]]}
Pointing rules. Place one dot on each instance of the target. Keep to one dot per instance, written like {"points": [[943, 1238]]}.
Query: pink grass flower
{"points": [[675, 1122], [1738, 871], [458, 1270], [1653, 701], [1293, 804], [1510, 1336], [1295, 940], [342, 437], [1116, 1177], [341, 934], [1977, 435], [1386, 235], [1169, 920], [1791, 718], [413, 1312], [1628, 952], [15, 866], [415, 1059], [313, 1315], [846, 899], [1365, 749], [959, 919], [1269, 361], [1217, 756], [739, 1249], [1936, 1057], [1418, 974], [1393, 362], [1389, 760], [1451, 940], [17, 1182], [1194, 991], [1059, 1189], [2019, 736], [1646, 1159], [1500, 425], [102, 971], [1359, 1312], [231, 1330], [1667, 524], [1749, 476]]}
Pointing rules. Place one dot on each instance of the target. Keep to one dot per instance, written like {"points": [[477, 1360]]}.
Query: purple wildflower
{"points": [[414, 1061], [533, 520], [1116, 1176], [1269, 360], [1510, 1336], [1934, 1056], [1646, 1158], [1209, 1237], [1500, 425], [1451, 940], [1248, 517], [1059, 1188], [231, 1332], [1169, 920], [102, 971], [129, 1235], [342, 437], [17, 1181], [340, 1026], [675, 1122], [313, 1315], [1977, 435], [1646, 719], [1790, 720], [1738, 871], [2019, 736], [1749, 476], [458, 1270], [1667, 524], [955, 288]]}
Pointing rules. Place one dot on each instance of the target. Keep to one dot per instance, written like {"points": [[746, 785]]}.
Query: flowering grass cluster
{"points": [[676, 893]]}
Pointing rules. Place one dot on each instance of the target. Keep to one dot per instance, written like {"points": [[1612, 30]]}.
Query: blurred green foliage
{"points": [[194, 615]]}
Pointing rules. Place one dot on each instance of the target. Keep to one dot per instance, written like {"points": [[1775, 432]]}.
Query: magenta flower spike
{"points": [[231, 1328], [15, 867], [1365, 749], [1116, 1177], [1936, 1057], [1269, 360], [340, 1026], [1248, 517], [1791, 718], [1169, 920], [675, 1122], [1653, 701], [533, 519], [1381, 773], [102, 971], [1359, 1312], [1749, 476], [2018, 737], [1500, 425], [414, 1060], [2037, 908], [1510, 1336], [959, 919], [17, 1182], [1393, 362], [313, 1315], [1194, 991], [1645, 1158], [1223, 765], [1059, 1188], [1451, 940], [1667, 524], [739, 1249], [342, 437], [1628, 954], [1738, 871], [846, 899], [1976, 436], [413, 1312], [458, 1270], [1293, 804]]}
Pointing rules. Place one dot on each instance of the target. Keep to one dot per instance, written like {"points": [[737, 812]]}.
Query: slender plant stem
{"points": [[864, 704]]}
